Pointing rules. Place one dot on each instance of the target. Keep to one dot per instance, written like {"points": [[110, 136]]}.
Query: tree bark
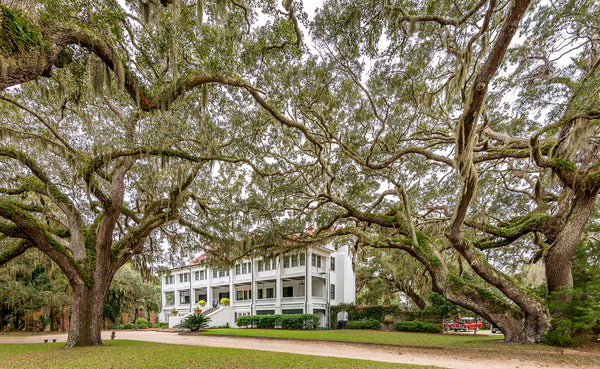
{"points": [[557, 258], [525, 323], [87, 311]]}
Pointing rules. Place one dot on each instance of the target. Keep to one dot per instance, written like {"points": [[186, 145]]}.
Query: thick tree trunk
{"points": [[558, 256], [416, 298], [87, 313], [519, 324]]}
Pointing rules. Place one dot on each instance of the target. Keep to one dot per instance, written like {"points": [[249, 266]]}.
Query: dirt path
{"points": [[442, 358]]}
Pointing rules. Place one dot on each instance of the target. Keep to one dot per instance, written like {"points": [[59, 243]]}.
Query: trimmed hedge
{"points": [[416, 326], [364, 324], [380, 313], [285, 321]]}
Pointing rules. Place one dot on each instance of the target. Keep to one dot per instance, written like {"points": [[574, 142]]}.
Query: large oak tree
{"points": [[111, 132]]}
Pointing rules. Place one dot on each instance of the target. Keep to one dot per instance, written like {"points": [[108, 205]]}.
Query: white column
{"points": [[231, 287], [209, 291], [278, 284], [308, 282], [253, 287]]}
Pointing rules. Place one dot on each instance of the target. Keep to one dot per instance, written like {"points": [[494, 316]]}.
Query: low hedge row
{"points": [[417, 326], [285, 321], [364, 324], [140, 326]]}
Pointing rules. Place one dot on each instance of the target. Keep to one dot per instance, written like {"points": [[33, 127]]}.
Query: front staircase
{"points": [[176, 321]]}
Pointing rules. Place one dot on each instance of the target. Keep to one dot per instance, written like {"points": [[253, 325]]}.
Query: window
{"points": [[184, 297], [184, 277], [303, 259], [169, 279], [202, 276], [294, 260], [314, 260], [269, 293], [197, 275], [332, 263], [288, 291], [170, 298], [223, 273], [318, 261], [260, 294], [286, 262], [215, 273], [237, 269], [268, 264], [245, 268], [261, 265], [332, 292]]}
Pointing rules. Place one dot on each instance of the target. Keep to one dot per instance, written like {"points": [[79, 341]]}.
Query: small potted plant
{"points": [[174, 312], [199, 305], [225, 301]]}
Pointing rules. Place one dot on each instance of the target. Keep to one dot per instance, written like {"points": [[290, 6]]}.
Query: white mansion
{"points": [[254, 287]]}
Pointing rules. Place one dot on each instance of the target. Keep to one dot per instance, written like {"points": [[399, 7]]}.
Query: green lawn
{"points": [[401, 338], [135, 354]]}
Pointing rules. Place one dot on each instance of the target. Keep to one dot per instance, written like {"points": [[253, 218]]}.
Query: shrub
{"points": [[163, 325], [364, 324], [142, 326], [559, 335], [118, 326], [196, 322], [267, 321], [285, 321], [225, 301], [416, 326], [130, 326], [141, 321]]}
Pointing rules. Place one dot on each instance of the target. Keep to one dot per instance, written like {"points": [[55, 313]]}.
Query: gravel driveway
{"points": [[448, 358]]}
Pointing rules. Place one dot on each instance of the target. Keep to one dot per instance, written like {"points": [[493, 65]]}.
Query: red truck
{"points": [[463, 324]]}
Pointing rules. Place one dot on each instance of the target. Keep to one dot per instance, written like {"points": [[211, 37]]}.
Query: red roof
{"points": [[197, 260]]}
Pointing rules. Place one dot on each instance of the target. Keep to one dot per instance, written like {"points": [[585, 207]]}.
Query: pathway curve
{"points": [[443, 358]]}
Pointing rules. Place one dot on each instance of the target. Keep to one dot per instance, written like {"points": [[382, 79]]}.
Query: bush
{"points": [[364, 324], [196, 322], [130, 326], [141, 321], [225, 301], [559, 335], [162, 325], [285, 321], [142, 326], [118, 326], [416, 326]]}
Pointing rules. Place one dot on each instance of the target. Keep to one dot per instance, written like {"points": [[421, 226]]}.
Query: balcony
{"points": [[319, 300], [242, 303], [292, 300], [264, 302]]}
